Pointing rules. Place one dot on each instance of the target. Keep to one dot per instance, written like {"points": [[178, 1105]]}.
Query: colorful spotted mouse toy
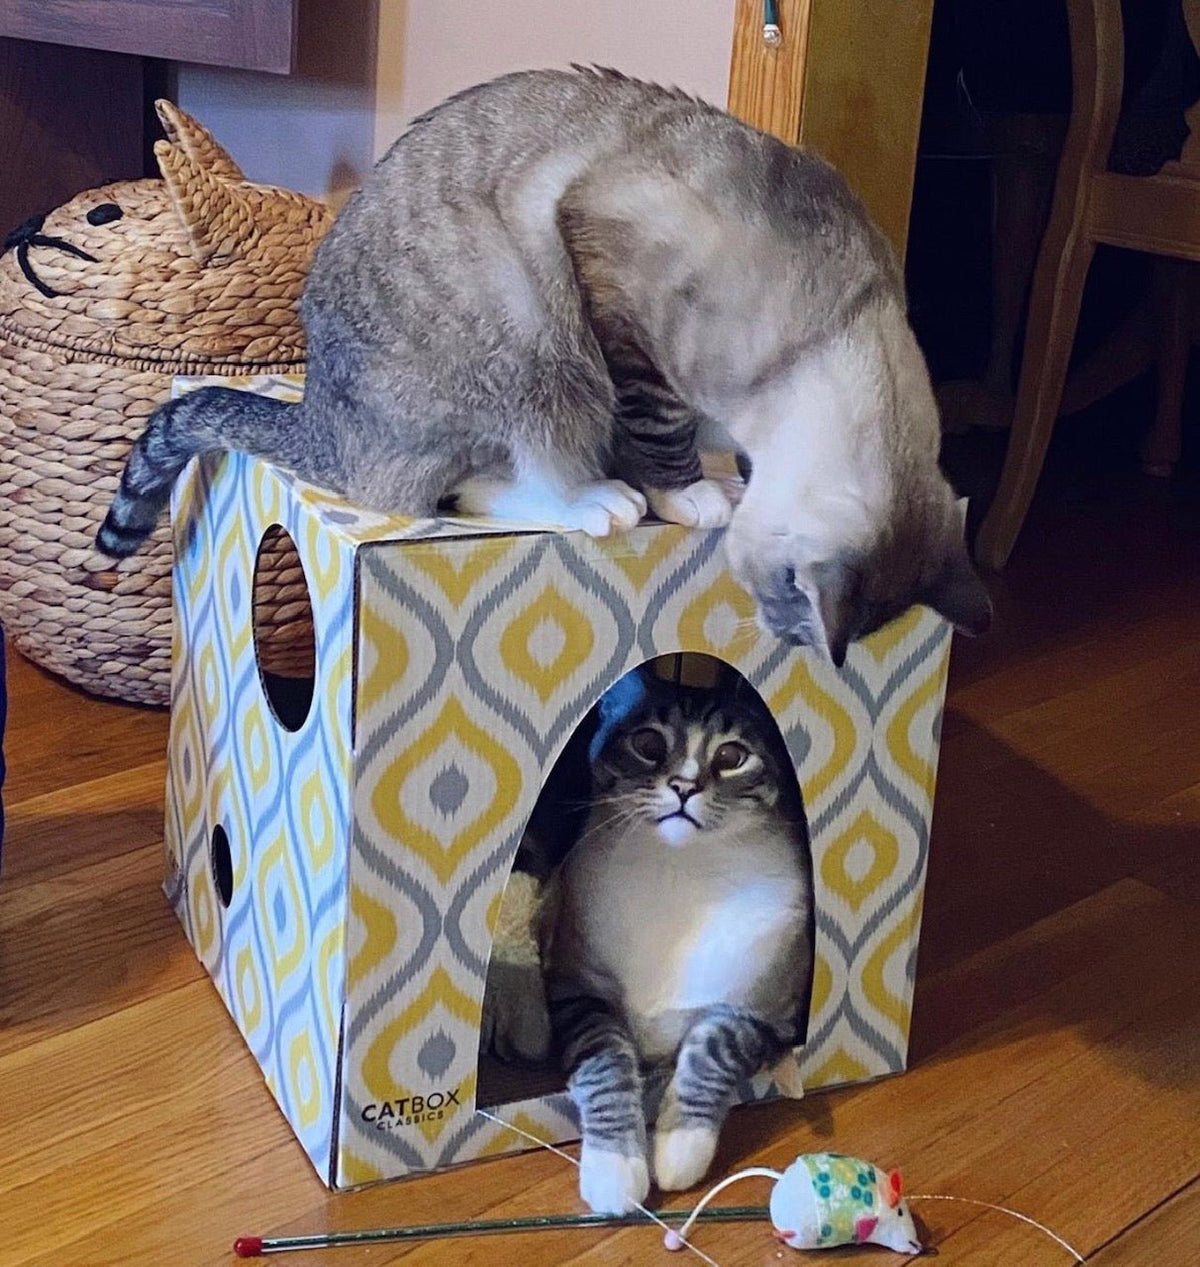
{"points": [[827, 1199]]}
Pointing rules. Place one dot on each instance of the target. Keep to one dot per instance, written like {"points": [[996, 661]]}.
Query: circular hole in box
{"points": [[221, 858], [285, 644]]}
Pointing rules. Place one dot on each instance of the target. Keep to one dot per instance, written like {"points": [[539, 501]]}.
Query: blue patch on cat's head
{"points": [[625, 697]]}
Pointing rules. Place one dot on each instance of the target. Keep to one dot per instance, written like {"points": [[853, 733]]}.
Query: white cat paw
{"points": [[682, 1156], [606, 507], [704, 504], [612, 1183]]}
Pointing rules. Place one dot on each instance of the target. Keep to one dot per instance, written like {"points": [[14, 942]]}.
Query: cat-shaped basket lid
{"points": [[199, 270]]}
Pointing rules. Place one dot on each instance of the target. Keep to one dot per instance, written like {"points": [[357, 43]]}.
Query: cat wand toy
{"points": [[256, 1246]]}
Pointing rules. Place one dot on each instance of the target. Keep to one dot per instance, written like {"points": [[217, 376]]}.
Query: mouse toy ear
{"points": [[895, 1188]]}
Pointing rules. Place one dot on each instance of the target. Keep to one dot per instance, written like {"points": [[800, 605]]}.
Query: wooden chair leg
{"points": [[1172, 284], [1053, 314]]}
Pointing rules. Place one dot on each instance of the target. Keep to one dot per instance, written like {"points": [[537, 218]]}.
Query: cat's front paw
{"points": [[703, 504], [606, 507], [682, 1156], [610, 1182]]}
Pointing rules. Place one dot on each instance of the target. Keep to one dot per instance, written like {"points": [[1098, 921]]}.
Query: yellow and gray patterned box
{"points": [[369, 848]]}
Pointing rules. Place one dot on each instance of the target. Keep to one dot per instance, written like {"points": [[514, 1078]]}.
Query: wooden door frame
{"points": [[847, 81]]}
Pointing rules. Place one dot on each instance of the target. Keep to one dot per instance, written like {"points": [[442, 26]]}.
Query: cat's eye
{"points": [[649, 744], [104, 213], [729, 756]]}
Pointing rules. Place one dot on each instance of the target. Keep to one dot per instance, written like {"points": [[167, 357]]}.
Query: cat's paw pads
{"points": [[606, 507], [682, 1156], [516, 1022], [612, 1183], [703, 504]]}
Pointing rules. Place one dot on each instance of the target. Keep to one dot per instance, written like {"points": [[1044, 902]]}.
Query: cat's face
{"points": [[683, 761], [161, 269], [847, 520], [814, 590]]}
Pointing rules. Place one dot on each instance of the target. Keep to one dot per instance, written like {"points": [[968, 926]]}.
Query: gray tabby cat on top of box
{"points": [[551, 291]]}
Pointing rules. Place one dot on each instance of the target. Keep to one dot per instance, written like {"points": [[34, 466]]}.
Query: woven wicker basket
{"points": [[101, 304]]}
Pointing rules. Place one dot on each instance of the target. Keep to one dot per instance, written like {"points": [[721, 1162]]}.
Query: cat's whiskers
{"points": [[614, 822]]}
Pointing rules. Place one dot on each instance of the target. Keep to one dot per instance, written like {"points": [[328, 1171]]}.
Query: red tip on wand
{"points": [[248, 1247]]}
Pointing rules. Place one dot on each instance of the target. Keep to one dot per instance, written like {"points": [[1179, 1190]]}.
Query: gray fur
{"points": [[579, 273], [637, 998]]}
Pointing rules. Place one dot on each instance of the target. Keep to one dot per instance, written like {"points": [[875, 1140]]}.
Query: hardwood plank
{"points": [[76, 825], [1054, 1003], [149, 1081], [1168, 1234], [58, 736], [85, 944]]}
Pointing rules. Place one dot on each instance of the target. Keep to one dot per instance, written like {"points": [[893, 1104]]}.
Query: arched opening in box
{"points": [[682, 737], [285, 646]]}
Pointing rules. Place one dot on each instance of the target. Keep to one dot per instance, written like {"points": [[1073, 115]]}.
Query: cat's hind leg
{"points": [[722, 1049], [656, 447], [605, 1082], [537, 494]]}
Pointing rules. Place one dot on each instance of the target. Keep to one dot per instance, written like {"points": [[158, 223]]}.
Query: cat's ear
{"points": [[218, 220], [959, 595], [196, 141], [830, 588]]}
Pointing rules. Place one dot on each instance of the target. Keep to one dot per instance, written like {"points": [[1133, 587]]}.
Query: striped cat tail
{"points": [[210, 419]]}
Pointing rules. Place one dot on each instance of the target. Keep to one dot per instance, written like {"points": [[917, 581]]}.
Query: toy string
{"points": [[558, 1152], [675, 1238], [1001, 1209]]}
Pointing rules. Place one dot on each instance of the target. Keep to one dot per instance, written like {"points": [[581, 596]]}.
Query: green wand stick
{"points": [[254, 1246]]}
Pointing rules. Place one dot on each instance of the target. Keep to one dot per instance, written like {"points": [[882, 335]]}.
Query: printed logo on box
{"points": [[411, 1110]]}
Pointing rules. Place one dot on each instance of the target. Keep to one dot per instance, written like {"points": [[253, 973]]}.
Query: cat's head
{"points": [[847, 520], [175, 270], [814, 587], [684, 760]]}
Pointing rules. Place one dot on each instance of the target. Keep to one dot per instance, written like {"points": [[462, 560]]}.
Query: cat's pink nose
{"points": [[683, 788]]}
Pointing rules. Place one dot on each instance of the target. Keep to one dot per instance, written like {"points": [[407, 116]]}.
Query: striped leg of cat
{"points": [[656, 445], [606, 1086], [722, 1049]]}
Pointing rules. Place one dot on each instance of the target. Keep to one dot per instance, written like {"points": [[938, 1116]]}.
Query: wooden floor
{"points": [[1056, 1040]]}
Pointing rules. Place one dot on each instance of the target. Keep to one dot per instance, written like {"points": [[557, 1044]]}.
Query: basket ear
{"points": [[196, 141], [218, 220]]}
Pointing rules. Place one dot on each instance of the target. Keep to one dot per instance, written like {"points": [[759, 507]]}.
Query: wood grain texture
{"points": [[1166, 1235], [766, 85], [848, 82], [1056, 1042], [863, 96], [251, 34]]}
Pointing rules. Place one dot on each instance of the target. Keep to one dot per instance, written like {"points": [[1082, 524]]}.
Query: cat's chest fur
{"points": [[663, 932]]}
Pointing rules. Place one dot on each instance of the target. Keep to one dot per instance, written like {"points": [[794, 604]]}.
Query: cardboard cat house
{"points": [[338, 865]]}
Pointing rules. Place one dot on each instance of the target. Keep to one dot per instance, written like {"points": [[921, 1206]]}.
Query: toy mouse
{"points": [[826, 1199]]}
